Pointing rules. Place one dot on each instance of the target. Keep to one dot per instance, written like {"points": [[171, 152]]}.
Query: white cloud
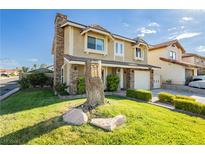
{"points": [[154, 24], [187, 18], [173, 28], [7, 62], [145, 30], [184, 35], [200, 48], [140, 35], [125, 24], [33, 59]]}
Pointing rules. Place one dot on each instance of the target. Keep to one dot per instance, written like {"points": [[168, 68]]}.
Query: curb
{"points": [[9, 93]]}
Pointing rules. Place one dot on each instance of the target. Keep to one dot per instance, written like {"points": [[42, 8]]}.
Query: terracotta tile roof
{"points": [[166, 44], [83, 59], [192, 55], [99, 27], [179, 63]]}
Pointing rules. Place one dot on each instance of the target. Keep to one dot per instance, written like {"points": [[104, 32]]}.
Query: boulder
{"points": [[108, 123], [75, 117]]}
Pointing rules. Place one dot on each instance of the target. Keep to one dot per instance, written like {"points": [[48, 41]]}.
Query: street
{"points": [[8, 84]]}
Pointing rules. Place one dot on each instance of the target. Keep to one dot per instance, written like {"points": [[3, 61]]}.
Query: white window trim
{"points": [[138, 58], [88, 50], [123, 49], [172, 53]]}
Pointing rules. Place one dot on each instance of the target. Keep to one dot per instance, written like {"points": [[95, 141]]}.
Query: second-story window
{"points": [[138, 53], [172, 55], [119, 48], [95, 43]]}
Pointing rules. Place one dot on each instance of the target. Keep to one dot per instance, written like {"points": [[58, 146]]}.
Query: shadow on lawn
{"points": [[24, 135], [28, 99]]}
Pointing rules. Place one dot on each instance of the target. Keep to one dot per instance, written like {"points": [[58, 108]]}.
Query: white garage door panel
{"points": [[142, 80]]}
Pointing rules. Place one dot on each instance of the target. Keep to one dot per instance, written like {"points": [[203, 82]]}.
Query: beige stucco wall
{"points": [[78, 46], [168, 71]]}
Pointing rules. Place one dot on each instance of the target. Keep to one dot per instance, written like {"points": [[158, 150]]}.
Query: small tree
{"points": [[112, 82]]}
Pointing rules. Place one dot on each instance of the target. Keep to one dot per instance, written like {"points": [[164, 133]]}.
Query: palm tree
{"points": [[34, 66], [25, 69]]}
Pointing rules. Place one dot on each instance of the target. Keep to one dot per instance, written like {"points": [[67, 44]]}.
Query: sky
{"points": [[26, 35]]}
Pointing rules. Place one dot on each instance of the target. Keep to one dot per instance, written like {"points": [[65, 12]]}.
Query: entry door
{"points": [[156, 81], [142, 80]]}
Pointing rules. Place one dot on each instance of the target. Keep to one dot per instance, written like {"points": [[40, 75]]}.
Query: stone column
{"points": [[58, 47], [130, 79], [73, 81], [151, 79]]}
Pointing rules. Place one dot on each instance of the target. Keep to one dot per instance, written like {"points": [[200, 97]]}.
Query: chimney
{"points": [[58, 46]]}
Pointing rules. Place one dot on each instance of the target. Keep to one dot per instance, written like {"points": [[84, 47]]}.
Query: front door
{"points": [[156, 81]]}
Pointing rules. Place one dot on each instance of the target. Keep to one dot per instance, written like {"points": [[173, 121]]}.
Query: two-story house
{"points": [[168, 56], [75, 43], [197, 60]]}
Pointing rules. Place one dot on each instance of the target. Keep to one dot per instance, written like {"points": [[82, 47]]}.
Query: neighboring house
{"points": [[197, 60], [168, 56], [75, 43]]}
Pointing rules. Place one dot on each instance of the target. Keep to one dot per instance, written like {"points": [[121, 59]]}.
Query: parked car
{"points": [[4, 75], [198, 82]]}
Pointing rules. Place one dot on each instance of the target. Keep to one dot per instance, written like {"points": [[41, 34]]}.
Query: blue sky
{"points": [[26, 35]]}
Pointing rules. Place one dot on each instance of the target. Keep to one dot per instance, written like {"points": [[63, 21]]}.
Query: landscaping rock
{"points": [[108, 123], [75, 117]]}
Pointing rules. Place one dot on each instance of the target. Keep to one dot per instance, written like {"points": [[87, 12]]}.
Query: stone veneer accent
{"points": [[73, 81], [58, 50], [130, 78]]}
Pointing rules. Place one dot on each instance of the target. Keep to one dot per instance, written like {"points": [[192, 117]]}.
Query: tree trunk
{"points": [[94, 85]]}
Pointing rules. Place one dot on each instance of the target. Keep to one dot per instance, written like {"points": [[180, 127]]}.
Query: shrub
{"points": [[24, 83], [185, 97], [169, 81], [49, 82], [81, 85], [37, 79], [166, 97], [139, 94], [61, 89], [189, 105], [112, 82]]}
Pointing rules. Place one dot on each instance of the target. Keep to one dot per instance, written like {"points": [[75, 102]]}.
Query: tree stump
{"points": [[94, 85]]}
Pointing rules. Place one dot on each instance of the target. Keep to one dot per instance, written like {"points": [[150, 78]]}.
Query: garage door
{"points": [[142, 80]]}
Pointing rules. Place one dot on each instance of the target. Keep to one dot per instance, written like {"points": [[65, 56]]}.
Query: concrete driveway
{"points": [[198, 97], [8, 84]]}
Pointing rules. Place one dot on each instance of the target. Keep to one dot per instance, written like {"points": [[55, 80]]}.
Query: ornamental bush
{"points": [[145, 95], [112, 82], [81, 85], [61, 89], [37, 79], [24, 83], [189, 105], [166, 97], [185, 97]]}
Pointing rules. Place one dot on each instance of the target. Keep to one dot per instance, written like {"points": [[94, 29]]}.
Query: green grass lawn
{"points": [[34, 117]]}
